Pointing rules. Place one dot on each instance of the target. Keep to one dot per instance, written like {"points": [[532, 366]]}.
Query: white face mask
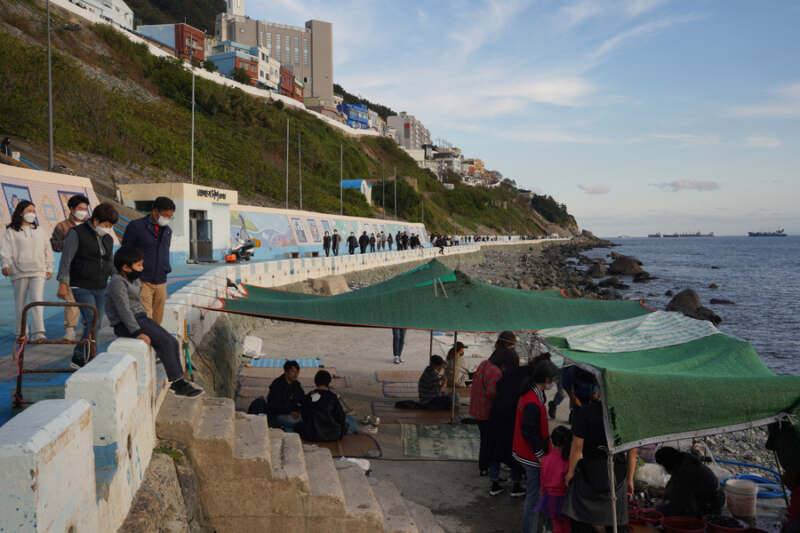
{"points": [[551, 386], [102, 231], [80, 215], [30, 218], [164, 221]]}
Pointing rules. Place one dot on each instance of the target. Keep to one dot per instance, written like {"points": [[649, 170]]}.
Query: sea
{"points": [[759, 274]]}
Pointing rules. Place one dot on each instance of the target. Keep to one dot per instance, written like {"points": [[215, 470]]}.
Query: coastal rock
{"points": [[713, 286], [669, 293], [714, 267], [625, 265], [597, 271], [688, 302], [612, 282], [721, 301], [642, 277], [704, 313]]}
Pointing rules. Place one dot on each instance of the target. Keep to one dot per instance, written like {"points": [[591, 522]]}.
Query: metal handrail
{"points": [[22, 340]]}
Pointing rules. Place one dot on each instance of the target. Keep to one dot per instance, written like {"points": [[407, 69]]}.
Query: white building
{"points": [[269, 68], [115, 11], [409, 132]]}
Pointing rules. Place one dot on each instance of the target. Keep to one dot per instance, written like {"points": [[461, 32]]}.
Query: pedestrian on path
{"points": [[398, 340], [363, 242], [27, 260], [78, 212], [152, 236], [389, 240], [336, 240], [85, 266], [326, 244], [352, 243], [372, 241]]}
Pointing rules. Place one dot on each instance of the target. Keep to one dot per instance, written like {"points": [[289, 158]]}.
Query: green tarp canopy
{"points": [[434, 297], [707, 386]]}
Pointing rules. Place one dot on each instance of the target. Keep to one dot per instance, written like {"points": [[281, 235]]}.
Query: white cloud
{"points": [[476, 28], [758, 141], [594, 189], [688, 139], [556, 91], [422, 16], [646, 29], [688, 185], [785, 104], [578, 12]]}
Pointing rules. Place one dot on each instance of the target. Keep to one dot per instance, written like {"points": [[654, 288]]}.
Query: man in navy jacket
{"points": [[152, 236]]}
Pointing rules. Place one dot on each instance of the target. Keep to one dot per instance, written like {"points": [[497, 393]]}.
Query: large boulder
{"points": [[597, 271], [612, 282], [625, 265], [688, 302], [642, 277]]}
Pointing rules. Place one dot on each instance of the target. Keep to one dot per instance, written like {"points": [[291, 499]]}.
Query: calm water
{"points": [[759, 274]]}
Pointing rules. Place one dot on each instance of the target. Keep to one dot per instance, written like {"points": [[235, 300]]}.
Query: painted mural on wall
{"points": [[50, 199], [282, 233]]}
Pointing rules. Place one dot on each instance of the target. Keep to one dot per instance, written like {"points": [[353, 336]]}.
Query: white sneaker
{"points": [[69, 334], [397, 360], [38, 337]]}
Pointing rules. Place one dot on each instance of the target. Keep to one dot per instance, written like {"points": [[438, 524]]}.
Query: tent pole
{"points": [[453, 381], [613, 486], [430, 348], [780, 473]]}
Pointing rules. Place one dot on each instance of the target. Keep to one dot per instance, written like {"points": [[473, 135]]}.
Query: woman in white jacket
{"points": [[27, 259]]}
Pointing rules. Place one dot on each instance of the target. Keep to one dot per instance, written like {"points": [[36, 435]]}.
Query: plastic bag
{"points": [[652, 475]]}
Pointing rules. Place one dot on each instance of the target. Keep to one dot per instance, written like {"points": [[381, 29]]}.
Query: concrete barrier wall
{"points": [[76, 464]]}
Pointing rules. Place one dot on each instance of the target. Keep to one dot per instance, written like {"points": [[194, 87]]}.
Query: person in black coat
{"points": [[363, 242], [352, 243], [326, 244], [286, 398], [693, 489], [372, 241], [516, 381], [389, 241], [398, 241], [323, 417], [336, 240]]}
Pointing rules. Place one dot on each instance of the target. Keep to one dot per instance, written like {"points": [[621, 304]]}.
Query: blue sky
{"points": [[640, 115]]}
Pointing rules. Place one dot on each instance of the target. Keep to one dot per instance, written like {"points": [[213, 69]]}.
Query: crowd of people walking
{"points": [[369, 243]]}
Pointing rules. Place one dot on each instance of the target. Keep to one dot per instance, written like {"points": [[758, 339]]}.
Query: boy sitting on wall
{"points": [[129, 319]]}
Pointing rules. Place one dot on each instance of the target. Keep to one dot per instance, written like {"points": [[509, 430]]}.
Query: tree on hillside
{"points": [[241, 75], [209, 65], [349, 98]]}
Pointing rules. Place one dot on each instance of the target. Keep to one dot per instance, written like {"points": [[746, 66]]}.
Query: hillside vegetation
{"points": [[198, 13], [114, 99]]}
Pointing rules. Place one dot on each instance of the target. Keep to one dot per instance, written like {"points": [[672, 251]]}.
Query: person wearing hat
{"points": [[432, 389], [456, 371]]}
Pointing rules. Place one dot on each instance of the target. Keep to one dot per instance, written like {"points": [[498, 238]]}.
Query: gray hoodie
{"points": [[123, 303]]}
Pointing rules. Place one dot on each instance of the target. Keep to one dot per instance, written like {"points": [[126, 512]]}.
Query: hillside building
{"points": [[186, 41], [357, 115], [115, 11], [307, 51], [409, 132], [268, 74], [228, 62]]}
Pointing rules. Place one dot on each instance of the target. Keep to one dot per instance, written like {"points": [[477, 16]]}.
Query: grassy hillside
{"points": [[112, 98]]}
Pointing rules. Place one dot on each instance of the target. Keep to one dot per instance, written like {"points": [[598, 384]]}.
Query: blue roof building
{"points": [[357, 115], [360, 185]]}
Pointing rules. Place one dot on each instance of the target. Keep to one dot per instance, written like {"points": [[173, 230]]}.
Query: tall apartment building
{"points": [[409, 132], [307, 51]]}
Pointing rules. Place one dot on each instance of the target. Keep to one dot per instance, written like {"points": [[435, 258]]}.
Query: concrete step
{"points": [[213, 445], [362, 510], [289, 475], [426, 522], [327, 496], [252, 455], [396, 516], [178, 418]]}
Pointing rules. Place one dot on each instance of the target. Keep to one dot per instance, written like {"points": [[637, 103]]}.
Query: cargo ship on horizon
{"points": [[676, 235], [776, 233]]}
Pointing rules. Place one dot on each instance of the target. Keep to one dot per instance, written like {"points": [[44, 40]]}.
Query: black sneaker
{"points": [[495, 489], [78, 361], [517, 491], [182, 387], [551, 410]]}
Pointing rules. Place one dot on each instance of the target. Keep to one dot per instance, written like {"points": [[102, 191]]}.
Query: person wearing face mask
{"points": [[27, 259], [128, 318], [532, 437], [85, 266], [152, 236], [78, 205]]}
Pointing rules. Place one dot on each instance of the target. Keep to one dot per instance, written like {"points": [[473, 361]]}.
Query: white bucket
{"points": [[741, 496]]}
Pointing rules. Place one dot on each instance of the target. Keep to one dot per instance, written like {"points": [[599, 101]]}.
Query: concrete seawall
{"points": [[76, 464]]}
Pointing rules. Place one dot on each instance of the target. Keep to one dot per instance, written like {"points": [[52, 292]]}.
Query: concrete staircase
{"points": [[255, 479]]}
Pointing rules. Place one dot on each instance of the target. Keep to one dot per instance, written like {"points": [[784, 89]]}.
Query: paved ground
{"points": [[452, 489]]}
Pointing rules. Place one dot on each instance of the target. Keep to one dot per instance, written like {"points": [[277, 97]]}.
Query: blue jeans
{"points": [[287, 422], [97, 299], [398, 339], [529, 516]]}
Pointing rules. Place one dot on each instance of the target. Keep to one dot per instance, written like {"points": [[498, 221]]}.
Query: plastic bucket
{"points": [[741, 496], [683, 524], [648, 452]]}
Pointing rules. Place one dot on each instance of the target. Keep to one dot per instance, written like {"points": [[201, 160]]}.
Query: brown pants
{"points": [[153, 299], [71, 314]]}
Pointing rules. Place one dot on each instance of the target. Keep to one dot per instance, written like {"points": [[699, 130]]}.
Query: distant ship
{"points": [[675, 235], [654, 235], [776, 233]]}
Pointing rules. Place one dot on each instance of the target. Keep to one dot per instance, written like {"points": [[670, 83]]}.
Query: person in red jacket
{"points": [[532, 437]]}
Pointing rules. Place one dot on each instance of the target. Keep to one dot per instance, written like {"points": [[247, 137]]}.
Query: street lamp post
{"points": [[395, 193], [191, 66], [341, 178], [50, 157], [300, 165]]}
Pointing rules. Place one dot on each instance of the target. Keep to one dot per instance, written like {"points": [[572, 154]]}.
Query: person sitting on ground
{"points": [[432, 393], [285, 398], [455, 366], [323, 417], [693, 489], [127, 316]]}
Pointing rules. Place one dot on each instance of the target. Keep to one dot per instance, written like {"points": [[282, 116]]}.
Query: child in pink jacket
{"points": [[553, 489]]}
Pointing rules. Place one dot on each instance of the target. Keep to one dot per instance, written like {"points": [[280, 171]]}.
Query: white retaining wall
{"points": [[74, 465]]}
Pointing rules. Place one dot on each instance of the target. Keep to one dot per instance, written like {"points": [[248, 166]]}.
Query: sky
{"points": [[640, 115]]}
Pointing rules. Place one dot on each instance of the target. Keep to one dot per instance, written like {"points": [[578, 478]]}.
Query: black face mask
{"points": [[132, 275]]}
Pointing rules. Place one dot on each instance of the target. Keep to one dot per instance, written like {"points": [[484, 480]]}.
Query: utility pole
{"points": [[51, 163], [341, 177], [287, 163], [300, 166], [395, 193], [191, 65], [383, 192], [422, 208]]}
